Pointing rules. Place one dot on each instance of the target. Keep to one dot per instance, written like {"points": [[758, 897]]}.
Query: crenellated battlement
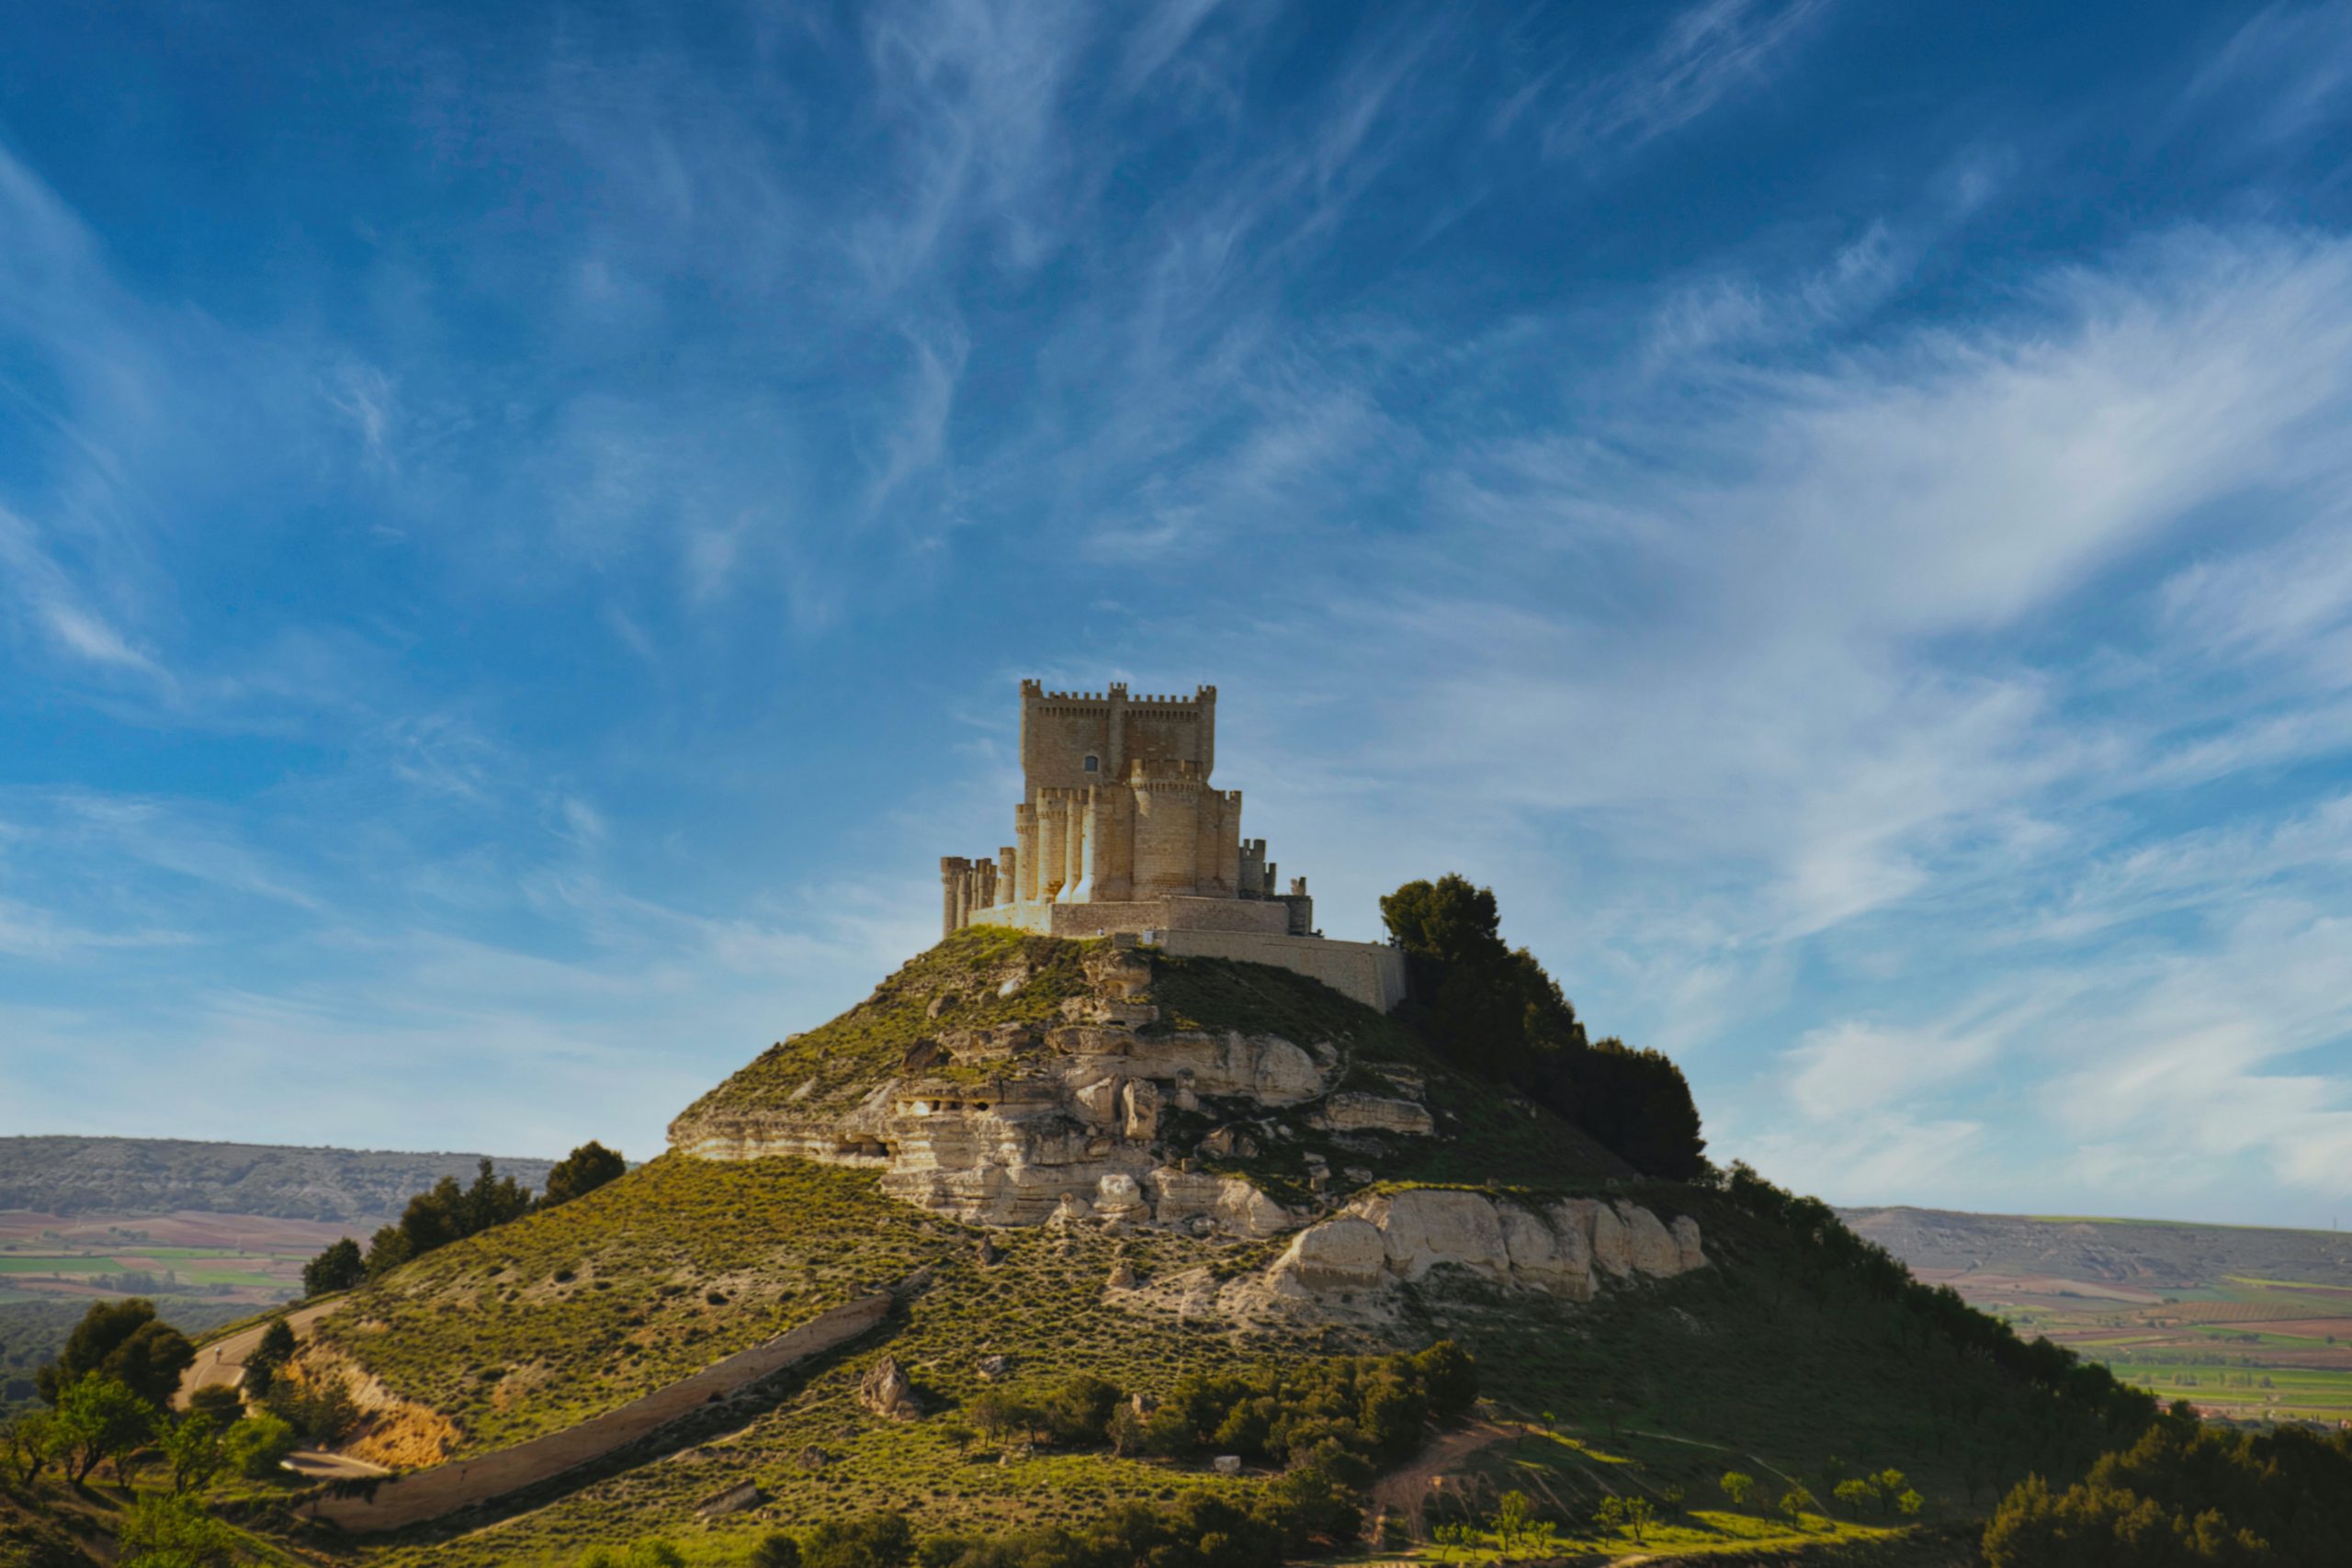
{"points": [[1116, 810]]}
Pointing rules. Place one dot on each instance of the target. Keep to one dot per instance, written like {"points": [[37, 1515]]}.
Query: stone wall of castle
{"points": [[1119, 829]]}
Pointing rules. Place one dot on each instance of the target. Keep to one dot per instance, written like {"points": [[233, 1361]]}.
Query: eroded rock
{"points": [[886, 1390]]}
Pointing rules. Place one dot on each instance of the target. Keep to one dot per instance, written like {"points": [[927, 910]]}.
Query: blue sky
{"points": [[519, 528]]}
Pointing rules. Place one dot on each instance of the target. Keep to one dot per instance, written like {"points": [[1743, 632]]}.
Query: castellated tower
{"points": [[1119, 829]]}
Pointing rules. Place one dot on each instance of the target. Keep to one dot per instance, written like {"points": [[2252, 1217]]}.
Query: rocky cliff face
{"points": [[1086, 1119], [1103, 1110], [1567, 1247]]}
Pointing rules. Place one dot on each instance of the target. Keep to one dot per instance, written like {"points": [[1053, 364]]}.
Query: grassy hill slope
{"points": [[1772, 1361]]}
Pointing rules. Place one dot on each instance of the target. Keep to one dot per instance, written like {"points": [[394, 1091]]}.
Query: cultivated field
{"points": [[2245, 1324], [239, 1258]]}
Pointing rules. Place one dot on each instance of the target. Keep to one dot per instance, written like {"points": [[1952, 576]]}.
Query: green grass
{"points": [[568, 1313], [1042, 1303], [837, 1061]]}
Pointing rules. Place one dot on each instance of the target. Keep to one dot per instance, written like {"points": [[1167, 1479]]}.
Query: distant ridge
{"points": [[68, 1176], [2153, 1253]]}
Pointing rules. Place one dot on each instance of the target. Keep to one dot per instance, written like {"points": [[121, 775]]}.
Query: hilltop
{"points": [[1024, 1161]]}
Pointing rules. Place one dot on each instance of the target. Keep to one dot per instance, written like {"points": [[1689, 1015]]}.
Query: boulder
{"points": [[733, 1500], [1226, 1464], [1140, 1105], [884, 1391], [1346, 1254], [1686, 1242], [1120, 1197], [1648, 1244], [1611, 1249], [1426, 1227], [1354, 1113], [1540, 1260], [1098, 1101], [1233, 1203]]}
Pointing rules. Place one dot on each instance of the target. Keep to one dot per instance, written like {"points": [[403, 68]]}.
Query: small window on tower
{"points": [[1094, 764]]}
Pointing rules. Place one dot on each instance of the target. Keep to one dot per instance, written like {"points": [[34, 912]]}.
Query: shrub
{"points": [[255, 1445], [173, 1532]]}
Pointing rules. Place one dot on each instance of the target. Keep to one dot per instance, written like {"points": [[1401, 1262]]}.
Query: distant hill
{"points": [[2155, 1255], [67, 1177], [2245, 1322]]}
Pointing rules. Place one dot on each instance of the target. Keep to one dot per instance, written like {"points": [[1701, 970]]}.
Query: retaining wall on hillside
{"points": [[423, 1494]]}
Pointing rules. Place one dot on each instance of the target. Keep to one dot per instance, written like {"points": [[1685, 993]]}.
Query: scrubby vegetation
{"points": [[963, 976], [574, 1310], [2189, 1496]]}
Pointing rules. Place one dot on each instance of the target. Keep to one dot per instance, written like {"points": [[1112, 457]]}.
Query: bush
{"points": [[255, 1445], [173, 1532], [638, 1554]]}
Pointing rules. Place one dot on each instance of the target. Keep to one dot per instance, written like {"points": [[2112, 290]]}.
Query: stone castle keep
{"points": [[1119, 830]]}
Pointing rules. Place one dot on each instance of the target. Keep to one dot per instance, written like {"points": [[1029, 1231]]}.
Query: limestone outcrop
{"points": [[1566, 1248], [886, 1390]]}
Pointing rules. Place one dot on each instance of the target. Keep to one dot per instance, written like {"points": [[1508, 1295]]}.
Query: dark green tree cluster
{"points": [[2189, 1496], [125, 1341], [1196, 1531], [580, 1172], [448, 1212], [1491, 1009], [1351, 1414]]}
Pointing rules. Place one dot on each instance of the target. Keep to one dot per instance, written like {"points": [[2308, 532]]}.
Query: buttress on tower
{"points": [[1120, 830]]}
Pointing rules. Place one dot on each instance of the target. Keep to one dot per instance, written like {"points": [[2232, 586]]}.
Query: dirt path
{"points": [[223, 1360], [1404, 1490]]}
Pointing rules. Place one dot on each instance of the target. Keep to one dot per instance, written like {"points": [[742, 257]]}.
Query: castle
{"points": [[1119, 830]]}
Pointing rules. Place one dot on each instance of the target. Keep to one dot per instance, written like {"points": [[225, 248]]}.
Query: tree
{"points": [[582, 1171], [1634, 1515], [877, 1540], [99, 1419], [1890, 1484], [255, 1445], [339, 1268], [1794, 1504], [775, 1550], [192, 1447], [173, 1532], [276, 1348], [1492, 1009], [387, 1251], [1736, 1486], [128, 1342], [28, 1444], [1854, 1495], [1514, 1513], [221, 1402]]}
